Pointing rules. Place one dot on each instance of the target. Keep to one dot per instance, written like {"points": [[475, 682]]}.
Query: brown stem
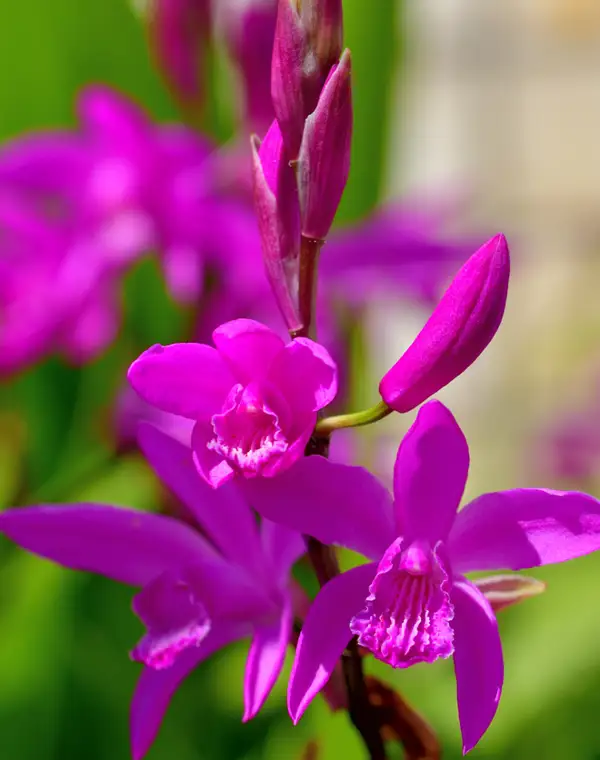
{"points": [[307, 286], [361, 710]]}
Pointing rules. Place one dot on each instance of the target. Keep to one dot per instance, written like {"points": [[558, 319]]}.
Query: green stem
{"points": [[327, 425]]}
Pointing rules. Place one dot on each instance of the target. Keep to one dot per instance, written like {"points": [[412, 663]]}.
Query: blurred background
{"points": [[470, 118]]}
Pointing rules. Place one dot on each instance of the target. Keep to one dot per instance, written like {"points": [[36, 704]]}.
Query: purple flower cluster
{"points": [[240, 428]]}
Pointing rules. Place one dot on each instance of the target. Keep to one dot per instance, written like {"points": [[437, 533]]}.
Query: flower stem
{"points": [[360, 708], [327, 425], [307, 286]]}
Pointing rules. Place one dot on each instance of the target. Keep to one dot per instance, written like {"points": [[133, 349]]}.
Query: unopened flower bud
{"points": [[504, 590], [323, 25], [289, 50], [276, 204], [461, 326], [324, 159]]}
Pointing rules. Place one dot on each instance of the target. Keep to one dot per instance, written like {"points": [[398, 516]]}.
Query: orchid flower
{"points": [[253, 398], [413, 603], [197, 594]]}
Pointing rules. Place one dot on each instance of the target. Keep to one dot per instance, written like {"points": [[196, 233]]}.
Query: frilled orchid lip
{"points": [[249, 431], [175, 618], [407, 615]]}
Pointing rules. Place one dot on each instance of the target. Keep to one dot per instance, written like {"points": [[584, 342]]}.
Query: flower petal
{"points": [[335, 503], [430, 474], [283, 547], [123, 544], [249, 348], [189, 379], [477, 662], [265, 660], [325, 634], [224, 514], [155, 688], [306, 374], [527, 527]]}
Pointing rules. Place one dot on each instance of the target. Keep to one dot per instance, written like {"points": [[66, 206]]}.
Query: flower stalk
{"points": [[327, 425]]}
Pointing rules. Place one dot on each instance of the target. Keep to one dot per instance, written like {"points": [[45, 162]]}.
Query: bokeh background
{"points": [[491, 109]]}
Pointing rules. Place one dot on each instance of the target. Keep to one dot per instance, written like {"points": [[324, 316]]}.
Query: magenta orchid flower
{"points": [[197, 594], [413, 603], [253, 398]]}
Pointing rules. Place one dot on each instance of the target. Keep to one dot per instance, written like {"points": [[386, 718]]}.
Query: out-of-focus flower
{"points": [[394, 250], [569, 447], [324, 157], [179, 34], [253, 398], [413, 603], [461, 326], [122, 185], [248, 27], [197, 595]]}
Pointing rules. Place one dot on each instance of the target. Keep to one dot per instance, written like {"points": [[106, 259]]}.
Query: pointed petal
{"points": [[334, 503], [306, 374], [123, 544], [430, 474], [265, 660], [527, 527], [189, 379], [155, 688], [249, 348], [224, 514], [283, 547], [325, 634], [477, 662]]}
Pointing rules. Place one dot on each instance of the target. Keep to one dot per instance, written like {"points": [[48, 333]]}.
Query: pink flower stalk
{"points": [[324, 158], [287, 76], [308, 42], [413, 603], [196, 596], [180, 31], [254, 399], [461, 326], [278, 213]]}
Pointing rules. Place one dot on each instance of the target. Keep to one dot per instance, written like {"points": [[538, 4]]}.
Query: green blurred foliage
{"points": [[65, 677]]}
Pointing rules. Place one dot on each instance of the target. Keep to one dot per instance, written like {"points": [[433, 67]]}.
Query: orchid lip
{"points": [[247, 432], [406, 618], [175, 618]]}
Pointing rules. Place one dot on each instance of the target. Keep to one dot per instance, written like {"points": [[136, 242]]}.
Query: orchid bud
{"points": [[504, 590], [179, 33], [276, 204], [289, 50], [461, 326], [324, 159], [323, 24]]}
